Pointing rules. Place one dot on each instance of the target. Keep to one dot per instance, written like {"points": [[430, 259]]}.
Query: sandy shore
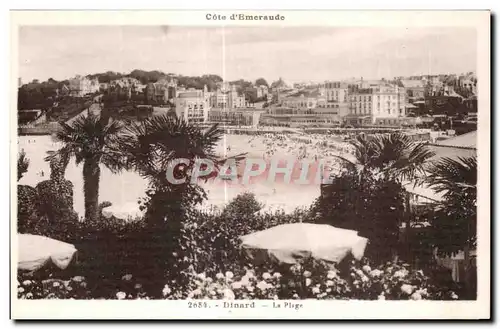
{"points": [[128, 187]]}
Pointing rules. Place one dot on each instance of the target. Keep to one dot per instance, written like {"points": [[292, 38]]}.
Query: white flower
{"points": [[174, 254], [236, 285], [454, 295], [364, 278], [244, 281], [266, 276], [201, 276], [212, 292], [78, 278], [209, 280], [308, 282], [315, 290], [249, 274], [367, 268], [407, 289], [416, 296], [328, 290], [20, 290], [121, 295], [166, 290], [381, 297], [262, 285], [277, 275], [331, 274], [219, 276], [423, 292], [29, 295], [127, 277], [359, 272], [197, 292], [376, 273], [400, 274], [229, 275], [307, 274], [329, 283], [228, 294], [275, 297], [56, 284], [295, 296], [26, 282], [250, 289]]}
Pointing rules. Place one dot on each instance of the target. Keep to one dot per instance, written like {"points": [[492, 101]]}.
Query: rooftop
{"points": [[190, 94], [465, 140], [412, 83]]}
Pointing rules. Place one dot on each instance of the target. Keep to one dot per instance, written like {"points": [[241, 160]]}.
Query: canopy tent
{"points": [[36, 251], [126, 212], [288, 243]]}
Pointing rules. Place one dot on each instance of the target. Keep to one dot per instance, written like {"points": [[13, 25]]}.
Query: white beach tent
{"points": [[36, 251], [127, 212], [290, 242]]}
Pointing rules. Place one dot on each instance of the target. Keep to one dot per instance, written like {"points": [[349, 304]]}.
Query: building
{"points": [[64, 91], [336, 92], [193, 105], [235, 117], [379, 105], [468, 82], [301, 117], [124, 89], [103, 87], [300, 102], [80, 86], [415, 89], [226, 96], [160, 92]]}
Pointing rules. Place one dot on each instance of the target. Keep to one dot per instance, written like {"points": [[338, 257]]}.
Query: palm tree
{"points": [[456, 180], [93, 140], [392, 156], [151, 148], [455, 220], [387, 161]]}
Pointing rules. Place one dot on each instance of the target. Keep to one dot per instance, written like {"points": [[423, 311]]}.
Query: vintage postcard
{"points": [[250, 165]]}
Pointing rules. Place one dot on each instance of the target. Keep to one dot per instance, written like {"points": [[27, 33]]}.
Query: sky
{"points": [[293, 53]]}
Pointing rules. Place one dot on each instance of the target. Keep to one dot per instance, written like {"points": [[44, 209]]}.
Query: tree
{"points": [[393, 156], [22, 165], [92, 140], [454, 219], [150, 147], [454, 223], [369, 196], [261, 82]]}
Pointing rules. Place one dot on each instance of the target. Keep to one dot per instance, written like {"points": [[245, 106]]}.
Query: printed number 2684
{"points": [[197, 305]]}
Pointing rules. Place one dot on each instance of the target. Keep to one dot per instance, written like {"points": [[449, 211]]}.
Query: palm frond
{"points": [[453, 176]]}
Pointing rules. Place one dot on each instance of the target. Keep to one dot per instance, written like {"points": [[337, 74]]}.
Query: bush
{"points": [[373, 207], [204, 260], [26, 207]]}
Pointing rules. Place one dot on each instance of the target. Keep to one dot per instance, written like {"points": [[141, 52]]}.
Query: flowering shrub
{"points": [[204, 261], [316, 280], [74, 288]]}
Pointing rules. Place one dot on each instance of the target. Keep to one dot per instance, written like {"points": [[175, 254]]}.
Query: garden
{"points": [[178, 252]]}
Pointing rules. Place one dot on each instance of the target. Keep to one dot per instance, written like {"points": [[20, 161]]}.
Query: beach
{"points": [[127, 187]]}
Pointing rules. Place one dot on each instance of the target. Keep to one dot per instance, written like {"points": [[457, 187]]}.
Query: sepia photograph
{"points": [[226, 166]]}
